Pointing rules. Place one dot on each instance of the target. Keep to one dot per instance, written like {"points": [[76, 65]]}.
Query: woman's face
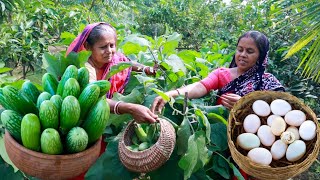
{"points": [[104, 49], [247, 54]]}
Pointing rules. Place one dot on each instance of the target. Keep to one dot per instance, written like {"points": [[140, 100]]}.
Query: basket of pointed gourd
{"points": [[273, 135], [146, 147]]}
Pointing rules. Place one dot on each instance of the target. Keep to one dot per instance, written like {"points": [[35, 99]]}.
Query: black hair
{"points": [[97, 32]]}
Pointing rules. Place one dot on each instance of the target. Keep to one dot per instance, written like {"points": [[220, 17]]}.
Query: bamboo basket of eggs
{"points": [[273, 135]]}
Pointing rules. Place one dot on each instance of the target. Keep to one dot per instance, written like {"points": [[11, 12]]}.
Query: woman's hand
{"points": [[151, 71], [139, 112], [158, 104], [228, 100]]}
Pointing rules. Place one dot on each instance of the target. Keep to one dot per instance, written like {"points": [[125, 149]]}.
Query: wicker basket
{"points": [[280, 169], [45, 166], [151, 158]]}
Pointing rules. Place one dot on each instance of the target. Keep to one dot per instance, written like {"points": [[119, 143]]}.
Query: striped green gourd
{"points": [[83, 77], [57, 101], [69, 114], [42, 97], [70, 72], [104, 86], [49, 83], [50, 142], [77, 140], [97, 119], [71, 88], [48, 115], [19, 100], [87, 99], [31, 91], [12, 122], [31, 131]]}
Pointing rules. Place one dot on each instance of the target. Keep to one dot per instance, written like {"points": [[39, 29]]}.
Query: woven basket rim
{"points": [[51, 156], [263, 171]]}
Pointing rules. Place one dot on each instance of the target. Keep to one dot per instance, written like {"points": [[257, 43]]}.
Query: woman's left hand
{"points": [[229, 99]]}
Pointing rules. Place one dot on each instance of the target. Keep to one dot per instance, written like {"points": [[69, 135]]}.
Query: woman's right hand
{"points": [[157, 105], [229, 99]]}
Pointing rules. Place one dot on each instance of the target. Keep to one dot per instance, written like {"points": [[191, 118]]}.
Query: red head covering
{"points": [[119, 80]]}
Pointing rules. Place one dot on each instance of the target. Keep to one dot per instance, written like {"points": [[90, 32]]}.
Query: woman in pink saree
{"points": [[100, 38]]}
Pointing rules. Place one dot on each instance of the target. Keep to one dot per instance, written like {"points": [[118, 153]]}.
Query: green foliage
{"points": [[196, 155], [109, 165], [57, 64], [187, 39], [310, 61]]}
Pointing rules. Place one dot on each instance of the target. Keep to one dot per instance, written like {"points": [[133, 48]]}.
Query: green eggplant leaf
{"points": [[196, 155], [57, 64], [221, 166], [204, 122], [219, 136], [117, 68]]}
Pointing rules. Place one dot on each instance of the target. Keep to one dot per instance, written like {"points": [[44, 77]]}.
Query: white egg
{"points": [[307, 130], [296, 150], [251, 123], [265, 135], [261, 108], [248, 141], [295, 131], [280, 107], [271, 118], [295, 117], [278, 149], [287, 137], [260, 156], [278, 126]]}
